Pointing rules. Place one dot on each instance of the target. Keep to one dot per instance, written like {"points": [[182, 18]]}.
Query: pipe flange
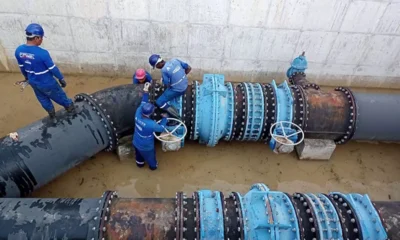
{"points": [[383, 221], [270, 111], [240, 111], [179, 216], [188, 108], [105, 118], [352, 118], [235, 112], [298, 106], [242, 121], [231, 110], [350, 222], [304, 112], [308, 227], [297, 213], [295, 74], [106, 202], [197, 217], [238, 208], [193, 113]]}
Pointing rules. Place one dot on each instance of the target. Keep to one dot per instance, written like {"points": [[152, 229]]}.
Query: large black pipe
{"points": [[46, 149], [110, 217], [377, 117]]}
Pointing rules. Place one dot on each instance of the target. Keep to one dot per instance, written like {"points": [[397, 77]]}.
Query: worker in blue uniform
{"points": [[39, 71], [173, 74], [143, 138], [141, 76]]}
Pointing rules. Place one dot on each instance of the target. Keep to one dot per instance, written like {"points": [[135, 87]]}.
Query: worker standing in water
{"points": [[141, 76], [173, 74], [143, 138], [39, 71]]}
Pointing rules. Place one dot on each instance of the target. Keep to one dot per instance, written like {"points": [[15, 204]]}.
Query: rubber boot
{"points": [[52, 113], [52, 116], [71, 110], [173, 112]]}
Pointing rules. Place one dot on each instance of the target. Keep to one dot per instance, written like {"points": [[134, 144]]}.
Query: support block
{"points": [[315, 149], [125, 150]]}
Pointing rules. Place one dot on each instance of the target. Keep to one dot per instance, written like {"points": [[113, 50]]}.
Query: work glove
{"points": [[22, 84], [63, 83], [146, 87]]}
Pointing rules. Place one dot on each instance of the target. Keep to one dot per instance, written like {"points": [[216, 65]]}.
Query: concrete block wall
{"points": [[347, 42]]}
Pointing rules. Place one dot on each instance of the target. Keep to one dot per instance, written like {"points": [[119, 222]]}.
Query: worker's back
{"points": [[176, 73], [37, 63], [143, 137]]}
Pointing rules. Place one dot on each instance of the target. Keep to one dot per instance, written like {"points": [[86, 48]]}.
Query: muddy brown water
{"points": [[234, 166]]}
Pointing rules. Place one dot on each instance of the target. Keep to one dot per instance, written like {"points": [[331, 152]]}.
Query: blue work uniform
{"points": [[38, 68], [174, 77], [143, 138], [148, 79]]}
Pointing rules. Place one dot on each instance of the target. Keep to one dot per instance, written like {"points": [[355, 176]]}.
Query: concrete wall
{"points": [[348, 42]]}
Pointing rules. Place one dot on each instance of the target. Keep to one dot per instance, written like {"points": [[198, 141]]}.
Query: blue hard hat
{"points": [[153, 59], [34, 30], [147, 109]]}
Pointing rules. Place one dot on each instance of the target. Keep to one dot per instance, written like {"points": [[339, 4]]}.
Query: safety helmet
{"points": [[147, 109], [140, 73], [34, 30], [154, 59]]}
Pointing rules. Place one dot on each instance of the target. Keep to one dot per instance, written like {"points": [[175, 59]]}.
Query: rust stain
{"points": [[141, 219]]}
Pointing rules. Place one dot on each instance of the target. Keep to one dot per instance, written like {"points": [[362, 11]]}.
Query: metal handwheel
{"points": [[278, 138], [163, 138]]}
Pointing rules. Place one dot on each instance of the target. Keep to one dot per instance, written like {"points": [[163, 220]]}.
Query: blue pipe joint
{"points": [[327, 217], [231, 110], [284, 100], [298, 64], [269, 215], [255, 111], [370, 222], [211, 213], [212, 110]]}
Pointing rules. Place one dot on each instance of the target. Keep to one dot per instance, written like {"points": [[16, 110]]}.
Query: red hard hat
{"points": [[140, 73]]}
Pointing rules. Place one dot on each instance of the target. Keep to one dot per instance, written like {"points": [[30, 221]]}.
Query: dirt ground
{"points": [[354, 167]]}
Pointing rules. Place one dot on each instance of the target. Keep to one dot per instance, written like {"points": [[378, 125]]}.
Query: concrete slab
{"points": [[130, 36], [242, 43], [325, 15], [99, 63], [127, 63], [382, 51], [169, 39], [317, 45], [315, 149], [390, 21], [88, 8], [249, 13], [288, 14], [129, 9], [348, 48], [92, 35], [176, 11], [48, 7], [279, 45], [11, 30], [209, 11], [206, 41], [125, 151], [363, 16]]}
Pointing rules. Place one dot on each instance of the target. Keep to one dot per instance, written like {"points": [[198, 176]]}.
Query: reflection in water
{"points": [[235, 166]]}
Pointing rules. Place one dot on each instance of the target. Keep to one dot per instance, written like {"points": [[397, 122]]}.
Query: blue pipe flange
{"points": [[326, 217], [231, 110], [255, 108], [197, 104], [366, 214], [269, 215], [211, 214]]}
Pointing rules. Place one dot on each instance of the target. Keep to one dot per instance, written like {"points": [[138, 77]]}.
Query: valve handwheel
{"points": [[286, 137], [164, 138]]}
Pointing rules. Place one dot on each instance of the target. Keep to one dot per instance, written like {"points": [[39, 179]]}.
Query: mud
{"points": [[354, 167]]}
